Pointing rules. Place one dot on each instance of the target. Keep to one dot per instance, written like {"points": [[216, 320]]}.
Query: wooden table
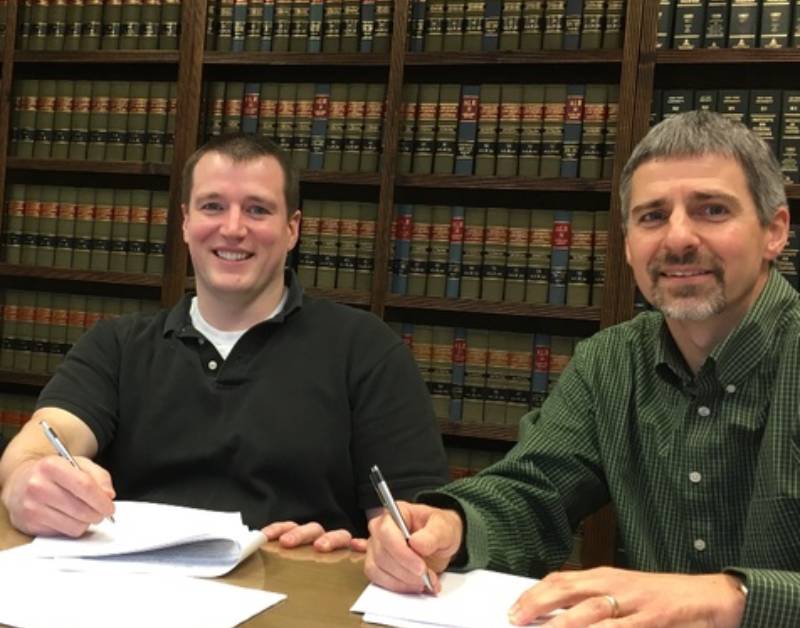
{"points": [[320, 587]]}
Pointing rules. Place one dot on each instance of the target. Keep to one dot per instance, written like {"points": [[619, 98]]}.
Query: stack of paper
{"points": [[478, 599]]}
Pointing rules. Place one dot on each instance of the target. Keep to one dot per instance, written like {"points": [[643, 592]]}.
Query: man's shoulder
{"points": [[140, 325], [635, 335]]}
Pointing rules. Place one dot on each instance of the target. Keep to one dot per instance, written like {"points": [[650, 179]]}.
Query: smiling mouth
{"points": [[233, 256], [683, 274]]}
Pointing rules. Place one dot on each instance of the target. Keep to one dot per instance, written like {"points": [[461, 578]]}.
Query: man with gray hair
{"points": [[687, 419]]}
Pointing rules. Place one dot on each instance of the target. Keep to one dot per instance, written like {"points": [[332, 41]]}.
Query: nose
{"points": [[681, 234], [233, 224]]}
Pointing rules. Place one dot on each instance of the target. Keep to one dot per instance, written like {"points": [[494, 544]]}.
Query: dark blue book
{"points": [[559, 259], [319, 125], [402, 248], [455, 252]]}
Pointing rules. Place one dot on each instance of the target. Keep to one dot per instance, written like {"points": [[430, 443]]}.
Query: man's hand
{"points": [[291, 534], [49, 496], [642, 599], [435, 538]]}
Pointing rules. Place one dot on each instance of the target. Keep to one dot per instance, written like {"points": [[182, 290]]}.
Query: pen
{"points": [[385, 495], [55, 441]]}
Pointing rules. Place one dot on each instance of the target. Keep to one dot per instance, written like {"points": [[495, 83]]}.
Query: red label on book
{"points": [[457, 230], [574, 109], [250, 105], [469, 108], [541, 361], [459, 353], [403, 230], [562, 234], [321, 104]]}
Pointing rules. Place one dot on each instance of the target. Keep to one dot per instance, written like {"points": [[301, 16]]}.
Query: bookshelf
{"points": [[631, 67]]}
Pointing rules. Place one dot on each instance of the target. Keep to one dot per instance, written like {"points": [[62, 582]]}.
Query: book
{"points": [[765, 115], [299, 27], [419, 249], [137, 231], [308, 247], [79, 120], [353, 127], [541, 369], [789, 146], [62, 119], [559, 257], [351, 12], [491, 25], [590, 163], [405, 144], [434, 25], [486, 140], [84, 222], [508, 132], [455, 252], [609, 146], [382, 31], [518, 376], [120, 225], [530, 134], [150, 24], [493, 270], [267, 25], [438, 251], [440, 376], [540, 248], [156, 125], [101, 230], [510, 22], [612, 33], [473, 26], [348, 246], [332, 25], [475, 363], [73, 25], [373, 127], [13, 223], [775, 23], [715, 31], [425, 136], [467, 129], [416, 28], [30, 224], [530, 37], [555, 98], [599, 249], [458, 360], [517, 255], [112, 24], [743, 24], [303, 121], [573, 123], [455, 14], [593, 22], [316, 13], [689, 21], [337, 117], [579, 265], [365, 261], [496, 396], [573, 19], [403, 225], [319, 125], [250, 106], [446, 129], [136, 135], [130, 24], [554, 13], [117, 135], [46, 231], [157, 232], [40, 336], [328, 255], [472, 258], [56, 347], [170, 25], [45, 113], [666, 17]]}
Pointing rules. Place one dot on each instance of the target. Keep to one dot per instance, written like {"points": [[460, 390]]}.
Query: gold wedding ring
{"points": [[612, 602]]}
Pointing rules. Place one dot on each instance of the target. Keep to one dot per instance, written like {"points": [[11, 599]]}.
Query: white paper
{"points": [[478, 599], [156, 538], [35, 595]]}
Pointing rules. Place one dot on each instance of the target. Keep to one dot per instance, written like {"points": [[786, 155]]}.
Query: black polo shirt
{"points": [[285, 428]]}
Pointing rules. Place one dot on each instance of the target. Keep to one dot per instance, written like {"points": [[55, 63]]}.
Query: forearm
{"points": [[773, 597]]}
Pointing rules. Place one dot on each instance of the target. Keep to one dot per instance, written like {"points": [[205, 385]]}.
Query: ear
{"points": [[293, 226], [185, 212], [627, 250], [776, 233]]}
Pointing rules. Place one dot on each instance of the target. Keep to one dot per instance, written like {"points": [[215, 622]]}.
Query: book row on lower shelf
{"points": [[462, 462], [299, 25], [98, 25], [39, 327], [454, 25], [774, 114], [689, 24], [15, 410], [84, 228], [98, 120], [488, 377]]}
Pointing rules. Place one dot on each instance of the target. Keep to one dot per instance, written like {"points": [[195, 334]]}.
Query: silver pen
{"points": [[55, 441], [385, 495]]}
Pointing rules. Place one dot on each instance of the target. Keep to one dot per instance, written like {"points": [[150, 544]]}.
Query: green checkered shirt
{"points": [[704, 471]]}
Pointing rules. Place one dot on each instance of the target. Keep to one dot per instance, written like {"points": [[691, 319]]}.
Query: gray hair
{"points": [[697, 133]]}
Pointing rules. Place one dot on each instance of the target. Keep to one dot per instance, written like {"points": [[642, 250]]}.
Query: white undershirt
{"points": [[224, 341]]}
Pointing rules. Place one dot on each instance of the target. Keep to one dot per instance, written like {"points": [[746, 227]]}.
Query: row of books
{"points": [[323, 126], [773, 113], [552, 130], [690, 24], [299, 25], [337, 244], [99, 25], [38, 327], [85, 228], [454, 25], [490, 377], [100, 120], [461, 461], [15, 410], [520, 255]]}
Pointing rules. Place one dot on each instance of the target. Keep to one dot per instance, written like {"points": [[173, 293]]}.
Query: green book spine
{"points": [[24, 28], [137, 231], [666, 16], [402, 224], [351, 16], [38, 25], [8, 349], [239, 25], [45, 112], [56, 24], [76, 319], [555, 99], [334, 138], [48, 219], [112, 24], [427, 115], [459, 358], [332, 25], [789, 150], [517, 255], [382, 31], [156, 125], [348, 246], [232, 116], [472, 260], [59, 311], [16, 111], [101, 230], [600, 246], [373, 126], [475, 375], [28, 102], [530, 37], [592, 30], [79, 119], [494, 409], [446, 129], [62, 119], [157, 232], [253, 25], [170, 25], [98, 120], [416, 26], [92, 17], [65, 226], [540, 249], [130, 25], [594, 123], [299, 29], [328, 255], [493, 271], [282, 26], [455, 15], [30, 224], [267, 109], [120, 225], [308, 248], [169, 132], [488, 116], [510, 22], [40, 336], [440, 380], [26, 313], [561, 350], [303, 119], [405, 145], [137, 121], [421, 346], [612, 34], [610, 143], [434, 25], [579, 267], [419, 249], [508, 132], [150, 24], [518, 376], [14, 224], [84, 223], [473, 26], [118, 106], [554, 13], [354, 127], [365, 261], [743, 24], [216, 108], [287, 94], [438, 252]]}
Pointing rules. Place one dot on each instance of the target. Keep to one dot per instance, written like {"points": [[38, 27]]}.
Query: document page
{"points": [[478, 599]]}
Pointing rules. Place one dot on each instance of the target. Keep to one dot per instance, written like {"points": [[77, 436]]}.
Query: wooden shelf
{"points": [[793, 190], [727, 55], [471, 430], [106, 57], [37, 380], [515, 57], [475, 182], [303, 59], [100, 167], [94, 276], [348, 297], [504, 308]]}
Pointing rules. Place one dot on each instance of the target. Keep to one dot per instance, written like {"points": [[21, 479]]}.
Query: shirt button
{"points": [[730, 388], [213, 365], [695, 477], [703, 411], [699, 545]]}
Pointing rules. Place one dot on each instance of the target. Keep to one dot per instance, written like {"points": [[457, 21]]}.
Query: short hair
{"points": [[243, 148], [697, 133]]}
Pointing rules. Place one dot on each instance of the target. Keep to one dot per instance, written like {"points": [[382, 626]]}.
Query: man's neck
{"points": [[236, 313]]}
